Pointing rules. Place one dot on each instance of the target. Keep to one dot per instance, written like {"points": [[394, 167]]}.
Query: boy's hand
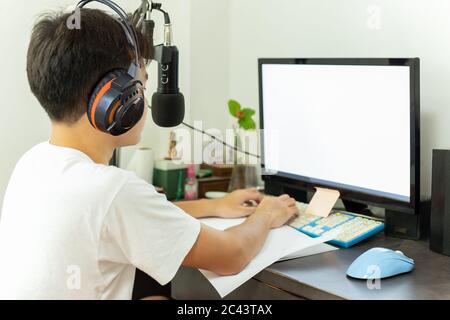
{"points": [[280, 209], [237, 204]]}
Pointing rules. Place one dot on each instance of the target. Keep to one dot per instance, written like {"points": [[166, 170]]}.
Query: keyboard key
{"points": [[303, 220]]}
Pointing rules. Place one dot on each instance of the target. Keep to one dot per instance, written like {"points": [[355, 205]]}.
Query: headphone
{"points": [[117, 102]]}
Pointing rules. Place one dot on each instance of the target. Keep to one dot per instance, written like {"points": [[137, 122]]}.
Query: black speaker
{"points": [[440, 202]]}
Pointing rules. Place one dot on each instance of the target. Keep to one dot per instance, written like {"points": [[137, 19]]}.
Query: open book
{"points": [[281, 244]]}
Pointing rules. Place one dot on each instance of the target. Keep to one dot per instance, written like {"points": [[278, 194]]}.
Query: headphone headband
{"points": [[130, 31]]}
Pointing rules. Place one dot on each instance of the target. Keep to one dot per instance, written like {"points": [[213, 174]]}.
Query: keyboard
{"points": [[348, 228]]}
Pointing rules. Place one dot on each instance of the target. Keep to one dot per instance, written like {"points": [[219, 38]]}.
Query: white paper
{"points": [[280, 242], [317, 249]]}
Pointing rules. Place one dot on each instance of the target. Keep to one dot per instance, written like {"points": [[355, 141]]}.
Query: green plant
{"points": [[245, 122], [244, 115]]}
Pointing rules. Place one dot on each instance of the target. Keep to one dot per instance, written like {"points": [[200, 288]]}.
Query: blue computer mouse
{"points": [[379, 263]]}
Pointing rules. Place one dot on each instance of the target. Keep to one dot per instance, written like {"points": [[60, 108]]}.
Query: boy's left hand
{"points": [[236, 204]]}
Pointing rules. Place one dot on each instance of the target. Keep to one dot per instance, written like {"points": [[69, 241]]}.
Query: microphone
{"points": [[168, 105], [167, 101]]}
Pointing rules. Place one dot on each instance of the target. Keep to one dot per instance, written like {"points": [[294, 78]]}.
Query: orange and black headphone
{"points": [[117, 102]]}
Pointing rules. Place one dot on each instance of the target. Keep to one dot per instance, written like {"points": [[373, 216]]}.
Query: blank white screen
{"points": [[340, 123]]}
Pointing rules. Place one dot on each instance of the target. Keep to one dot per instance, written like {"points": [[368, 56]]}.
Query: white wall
{"points": [[210, 62], [348, 28], [23, 122]]}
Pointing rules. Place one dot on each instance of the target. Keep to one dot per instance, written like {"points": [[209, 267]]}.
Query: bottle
{"points": [[180, 186], [191, 184]]}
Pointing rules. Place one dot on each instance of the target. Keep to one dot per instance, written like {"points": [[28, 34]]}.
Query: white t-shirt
{"points": [[74, 229]]}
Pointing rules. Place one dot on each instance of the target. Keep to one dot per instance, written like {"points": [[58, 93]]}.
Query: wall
{"points": [[23, 122], [210, 62]]}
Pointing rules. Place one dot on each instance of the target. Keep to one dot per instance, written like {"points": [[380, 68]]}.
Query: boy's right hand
{"points": [[239, 244], [280, 209]]}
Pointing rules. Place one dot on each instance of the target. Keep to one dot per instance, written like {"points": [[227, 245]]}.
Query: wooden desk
{"points": [[323, 277]]}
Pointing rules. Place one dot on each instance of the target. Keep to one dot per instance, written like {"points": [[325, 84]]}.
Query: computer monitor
{"points": [[345, 124]]}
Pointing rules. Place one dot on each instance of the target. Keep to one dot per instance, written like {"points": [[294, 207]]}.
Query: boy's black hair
{"points": [[64, 65]]}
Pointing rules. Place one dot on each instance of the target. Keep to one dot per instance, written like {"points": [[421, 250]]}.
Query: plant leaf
{"points": [[248, 112], [247, 123], [252, 124], [234, 107]]}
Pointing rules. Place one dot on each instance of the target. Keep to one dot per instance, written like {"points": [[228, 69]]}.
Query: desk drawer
{"points": [[212, 184]]}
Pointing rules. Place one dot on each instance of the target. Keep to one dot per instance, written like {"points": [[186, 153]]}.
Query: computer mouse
{"points": [[379, 263]]}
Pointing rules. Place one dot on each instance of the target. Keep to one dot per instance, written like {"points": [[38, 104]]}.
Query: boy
{"points": [[73, 227]]}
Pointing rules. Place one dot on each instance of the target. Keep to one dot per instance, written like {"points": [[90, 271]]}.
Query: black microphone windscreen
{"points": [[168, 109]]}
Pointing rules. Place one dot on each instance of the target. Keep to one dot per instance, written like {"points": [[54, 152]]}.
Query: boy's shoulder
{"points": [[71, 164]]}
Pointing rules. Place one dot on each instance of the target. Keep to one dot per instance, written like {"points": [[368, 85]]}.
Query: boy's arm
{"points": [[228, 252], [231, 206]]}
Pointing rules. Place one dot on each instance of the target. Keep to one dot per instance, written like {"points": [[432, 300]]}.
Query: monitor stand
{"points": [[357, 207], [409, 226], [277, 189]]}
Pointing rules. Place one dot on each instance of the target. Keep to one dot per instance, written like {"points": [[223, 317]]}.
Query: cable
{"points": [[218, 140]]}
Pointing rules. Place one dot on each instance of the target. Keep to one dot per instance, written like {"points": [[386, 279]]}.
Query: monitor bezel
{"points": [[308, 183]]}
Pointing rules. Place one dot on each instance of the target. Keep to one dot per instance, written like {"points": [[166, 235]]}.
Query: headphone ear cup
{"points": [[131, 116], [99, 88], [130, 113]]}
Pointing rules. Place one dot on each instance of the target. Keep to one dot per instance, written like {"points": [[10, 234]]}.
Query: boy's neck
{"points": [[93, 143]]}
